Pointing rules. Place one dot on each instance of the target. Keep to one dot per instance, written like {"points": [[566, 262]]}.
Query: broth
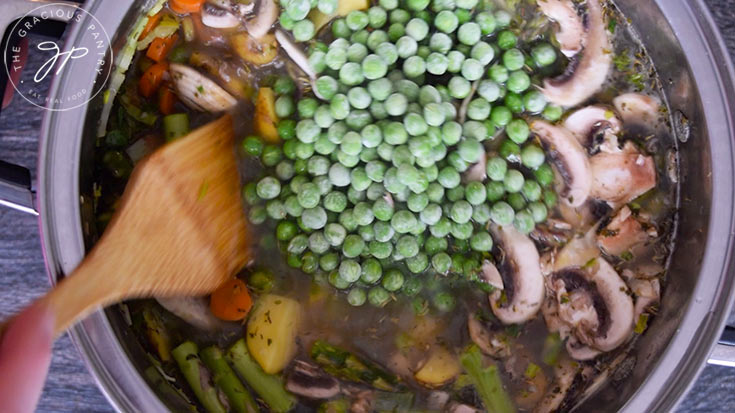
{"points": [[400, 336]]}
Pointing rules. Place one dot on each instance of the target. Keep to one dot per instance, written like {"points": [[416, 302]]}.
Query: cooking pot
{"points": [[698, 84]]}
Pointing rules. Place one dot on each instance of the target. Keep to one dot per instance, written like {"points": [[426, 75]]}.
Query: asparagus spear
{"points": [[225, 379], [167, 391], [343, 364], [198, 377], [487, 381], [269, 387]]}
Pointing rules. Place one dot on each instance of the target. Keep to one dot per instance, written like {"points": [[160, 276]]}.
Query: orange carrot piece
{"points": [[166, 99], [231, 301], [185, 6], [150, 25], [160, 46], [152, 79]]}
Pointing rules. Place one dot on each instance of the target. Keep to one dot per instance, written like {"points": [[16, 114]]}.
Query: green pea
{"points": [[448, 177], [513, 59], [314, 218], [418, 263], [441, 228], [407, 246], [517, 130], [441, 262], [417, 202], [459, 87], [378, 296], [544, 175], [498, 73], [373, 67], [538, 211], [406, 47], [444, 302], [513, 181], [543, 54], [350, 270], [403, 221], [334, 234], [481, 213], [552, 113], [486, 21], [303, 30], [461, 212], [524, 222], [335, 202], [412, 286], [446, 21], [414, 66], [502, 213], [534, 101], [469, 33], [392, 280], [380, 249], [510, 151], [363, 213]]}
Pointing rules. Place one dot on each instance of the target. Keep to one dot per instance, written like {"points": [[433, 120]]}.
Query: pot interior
{"points": [[688, 120]]}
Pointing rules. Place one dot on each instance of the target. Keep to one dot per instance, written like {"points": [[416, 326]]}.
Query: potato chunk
{"points": [[439, 369], [271, 331]]}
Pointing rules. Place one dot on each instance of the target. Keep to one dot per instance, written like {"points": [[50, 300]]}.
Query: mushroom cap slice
{"points": [[622, 233], [571, 30], [569, 158], [265, 15], [523, 281], [218, 18], [595, 290], [198, 91], [585, 76], [637, 108], [619, 178], [585, 123]]}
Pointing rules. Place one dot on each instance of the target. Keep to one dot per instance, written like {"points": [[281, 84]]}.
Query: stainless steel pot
{"points": [[699, 85]]}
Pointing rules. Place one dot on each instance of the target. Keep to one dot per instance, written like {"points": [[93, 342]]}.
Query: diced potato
{"points": [[256, 51], [440, 368], [271, 331], [344, 7], [265, 115]]}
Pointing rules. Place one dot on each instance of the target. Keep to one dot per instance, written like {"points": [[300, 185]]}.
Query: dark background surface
{"points": [[70, 388]]}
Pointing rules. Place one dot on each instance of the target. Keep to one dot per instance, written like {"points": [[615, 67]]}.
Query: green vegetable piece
{"points": [[193, 370]]}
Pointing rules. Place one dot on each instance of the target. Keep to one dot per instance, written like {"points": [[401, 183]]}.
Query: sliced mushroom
{"points": [[490, 343], [436, 400], [637, 108], [622, 233], [218, 18], [523, 283], [578, 251], [236, 7], [564, 375], [595, 303], [647, 290], [591, 123], [585, 75], [195, 311], [310, 381], [618, 178], [295, 54], [569, 158], [265, 15], [571, 30], [491, 275], [551, 234], [198, 91], [455, 407], [476, 172]]}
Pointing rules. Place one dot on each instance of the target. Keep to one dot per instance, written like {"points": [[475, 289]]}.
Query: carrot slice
{"points": [[152, 78], [160, 46], [150, 25], [166, 99], [231, 301], [185, 6]]}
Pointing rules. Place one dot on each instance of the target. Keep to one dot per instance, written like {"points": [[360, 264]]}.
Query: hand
{"points": [[25, 354]]}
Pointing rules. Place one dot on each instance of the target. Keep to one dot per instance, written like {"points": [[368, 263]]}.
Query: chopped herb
{"points": [[642, 323], [622, 61], [611, 25], [200, 89], [531, 371], [626, 256]]}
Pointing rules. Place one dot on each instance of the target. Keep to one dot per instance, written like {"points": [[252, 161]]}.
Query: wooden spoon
{"points": [[179, 230]]}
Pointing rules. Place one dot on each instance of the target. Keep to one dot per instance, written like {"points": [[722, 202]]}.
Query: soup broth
{"points": [[442, 329]]}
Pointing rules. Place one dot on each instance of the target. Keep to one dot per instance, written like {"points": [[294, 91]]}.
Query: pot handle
{"points": [[724, 352], [15, 181]]}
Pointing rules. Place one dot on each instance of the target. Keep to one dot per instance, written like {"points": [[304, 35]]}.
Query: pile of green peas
{"points": [[367, 185]]}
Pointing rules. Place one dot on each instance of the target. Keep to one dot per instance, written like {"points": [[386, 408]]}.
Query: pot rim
{"points": [[63, 242]]}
